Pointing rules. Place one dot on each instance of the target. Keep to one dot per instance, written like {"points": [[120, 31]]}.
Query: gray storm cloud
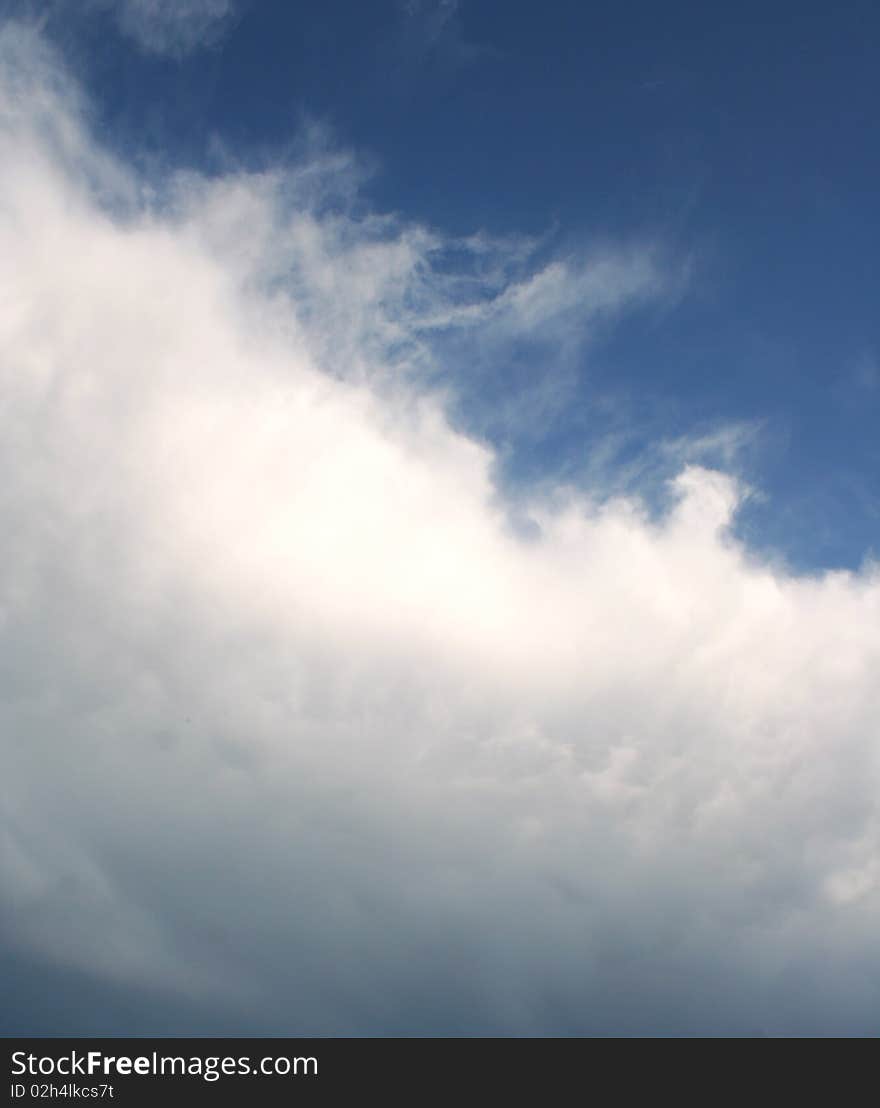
{"points": [[297, 726]]}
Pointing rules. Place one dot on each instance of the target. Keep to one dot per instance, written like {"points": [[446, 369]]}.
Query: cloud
{"points": [[426, 47], [433, 28], [300, 733], [175, 27]]}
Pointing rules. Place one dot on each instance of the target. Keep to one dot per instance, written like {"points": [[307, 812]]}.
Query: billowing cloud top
{"points": [[301, 728]]}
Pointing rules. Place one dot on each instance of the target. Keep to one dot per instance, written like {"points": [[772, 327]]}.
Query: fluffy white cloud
{"points": [[295, 721]]}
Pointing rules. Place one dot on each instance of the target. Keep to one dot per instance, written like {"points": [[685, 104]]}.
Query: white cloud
{"points": [[295, 722]]}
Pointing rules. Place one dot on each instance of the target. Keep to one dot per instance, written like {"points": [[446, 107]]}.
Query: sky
{"points": [[438, 591]]}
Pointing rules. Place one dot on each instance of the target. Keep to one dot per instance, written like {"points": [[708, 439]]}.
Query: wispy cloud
{"points": [[431, 29], [295, 723], [174, 27]]}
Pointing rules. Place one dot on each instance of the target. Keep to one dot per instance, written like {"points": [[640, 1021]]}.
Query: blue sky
{"points": [[438, 593], [740, 141]]}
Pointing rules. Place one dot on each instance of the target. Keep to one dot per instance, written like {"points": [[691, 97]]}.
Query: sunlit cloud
{"points": [[296, 721]]}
